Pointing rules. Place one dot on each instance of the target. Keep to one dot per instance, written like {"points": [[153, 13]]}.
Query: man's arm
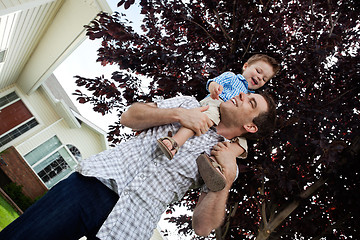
{"points": [[142, 116], [209, 212]]}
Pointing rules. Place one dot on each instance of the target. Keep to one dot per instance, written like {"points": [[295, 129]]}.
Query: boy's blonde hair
{"points": [[262, 57]]}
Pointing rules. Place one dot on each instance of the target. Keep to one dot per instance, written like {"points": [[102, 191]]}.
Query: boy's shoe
{"points": [[165, 149], [211, 172]]}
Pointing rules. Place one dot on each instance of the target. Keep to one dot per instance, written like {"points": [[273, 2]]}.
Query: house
{"points": [[42, 135]]}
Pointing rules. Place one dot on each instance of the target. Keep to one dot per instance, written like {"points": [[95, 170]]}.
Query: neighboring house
{"points": [[42, 135]]}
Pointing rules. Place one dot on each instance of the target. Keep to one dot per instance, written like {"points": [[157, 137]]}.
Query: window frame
{"points": [[33, 118], [45, 157]]}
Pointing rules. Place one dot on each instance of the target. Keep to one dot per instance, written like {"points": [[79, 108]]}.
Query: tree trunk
{"points": [[218, 233], [280, 217]]}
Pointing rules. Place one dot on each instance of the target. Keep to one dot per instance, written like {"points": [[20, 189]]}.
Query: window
{"points": [[8, 99], [52, 161], [75, 152], [15, 118], [17, 132], [2, 56]]}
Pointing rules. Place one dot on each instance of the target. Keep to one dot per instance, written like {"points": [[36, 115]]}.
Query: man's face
{"points": [[240, 111], [257, 74]]}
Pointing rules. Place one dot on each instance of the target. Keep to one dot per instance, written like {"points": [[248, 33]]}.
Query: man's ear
{"points": [[251, 128]]}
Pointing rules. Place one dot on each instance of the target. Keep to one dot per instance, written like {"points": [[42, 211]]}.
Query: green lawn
{"points": [[7, 214]]}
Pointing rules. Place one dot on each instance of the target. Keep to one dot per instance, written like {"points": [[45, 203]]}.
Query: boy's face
{"points": [[257, 73]]}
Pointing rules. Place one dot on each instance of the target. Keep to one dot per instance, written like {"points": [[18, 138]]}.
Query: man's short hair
{"points": [[263, 57], [265, 121]]}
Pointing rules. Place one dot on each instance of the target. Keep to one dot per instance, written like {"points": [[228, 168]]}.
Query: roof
{"points": [[62, 105], [58, 92], [37, 35]]}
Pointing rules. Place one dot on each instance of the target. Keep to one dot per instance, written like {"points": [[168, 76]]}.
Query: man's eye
{"points": [[252, 104]]}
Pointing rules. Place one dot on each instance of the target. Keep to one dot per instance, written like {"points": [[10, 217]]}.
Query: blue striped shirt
{"points": [[232, 83]]}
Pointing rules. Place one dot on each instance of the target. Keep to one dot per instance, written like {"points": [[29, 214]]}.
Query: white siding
{"points": [[83, 138], [86, 139]]}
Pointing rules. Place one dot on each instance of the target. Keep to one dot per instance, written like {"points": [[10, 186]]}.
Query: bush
{"points": [[15, 193]]}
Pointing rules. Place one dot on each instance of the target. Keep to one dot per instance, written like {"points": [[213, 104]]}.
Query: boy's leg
{"points": [[75, 207], [211, 171], [167, 146], [180, 138], [183, 135]]}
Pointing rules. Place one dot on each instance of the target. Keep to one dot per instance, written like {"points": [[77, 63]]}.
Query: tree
{"points": [[303, 180]]}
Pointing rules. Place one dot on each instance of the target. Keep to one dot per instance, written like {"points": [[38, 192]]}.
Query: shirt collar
{"points": [[241, 77]]}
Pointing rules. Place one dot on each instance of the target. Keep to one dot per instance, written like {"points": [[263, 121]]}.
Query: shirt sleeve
{"points": [[182, 101], [243, 143], [223, 79]]}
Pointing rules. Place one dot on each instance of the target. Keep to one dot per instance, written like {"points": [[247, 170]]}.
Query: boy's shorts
{"points": [[213, 111], [214, 114]]}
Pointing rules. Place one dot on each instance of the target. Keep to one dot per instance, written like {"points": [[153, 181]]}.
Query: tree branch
{"points": [[221, 26], [330, 18], [192, 21], [338, 98], [332, 22], [254, 31], [263, 205], [231, 214], [201, 28], [265, 233]]}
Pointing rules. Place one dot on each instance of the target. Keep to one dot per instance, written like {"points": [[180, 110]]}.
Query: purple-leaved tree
{"points": [[303, 181]]}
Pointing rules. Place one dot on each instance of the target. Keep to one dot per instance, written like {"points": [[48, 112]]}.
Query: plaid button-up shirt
{"points": [[144, 178], [233, 84]]}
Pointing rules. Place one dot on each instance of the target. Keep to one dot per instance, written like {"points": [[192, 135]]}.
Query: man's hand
{"points": [[227, 159], [196, 120], [215, 90]]}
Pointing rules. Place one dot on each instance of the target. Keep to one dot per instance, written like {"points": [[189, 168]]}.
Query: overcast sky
{"points": [[82, 62]]}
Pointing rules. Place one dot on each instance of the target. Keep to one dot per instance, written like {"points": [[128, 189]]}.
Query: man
{"points": [[122, 192]]}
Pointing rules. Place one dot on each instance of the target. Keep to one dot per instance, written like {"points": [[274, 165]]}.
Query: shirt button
{"points": [[142, 176], [126, 192], [155, 163]]}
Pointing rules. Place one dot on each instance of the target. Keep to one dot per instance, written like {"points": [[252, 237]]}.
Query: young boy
{"points": [[257, 71]]}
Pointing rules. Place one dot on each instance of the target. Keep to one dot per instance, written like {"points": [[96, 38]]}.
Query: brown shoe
{"points": [[211, 172], [165, 149]]}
